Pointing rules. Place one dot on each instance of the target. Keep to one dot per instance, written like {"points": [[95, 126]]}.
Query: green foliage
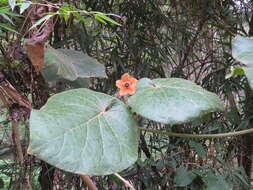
{"points": [[198, 147], [215, 182]]}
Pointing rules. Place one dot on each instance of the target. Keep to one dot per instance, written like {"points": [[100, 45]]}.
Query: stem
{"points": [[89, 182], [124, 181], [16, 138], [208, 136]]}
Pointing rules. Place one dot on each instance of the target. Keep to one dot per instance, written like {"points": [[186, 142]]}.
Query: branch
{"points": [[124, 181], [89, 182]]}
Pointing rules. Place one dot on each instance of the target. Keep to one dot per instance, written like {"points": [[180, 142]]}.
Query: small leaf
{"points": [[172, 100], [41, 20], [4, 9], [184, 177], [8, 28], [242, 50], [24, 5], [198, 147], [104, 17], [6, 17], [235, 71], [84, 132], [12, 4], [99, 19], [65, 12]]}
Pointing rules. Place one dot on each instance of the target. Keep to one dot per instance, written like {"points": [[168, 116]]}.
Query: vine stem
{"points": [[124, 181], [89, 182], [208, 136]]}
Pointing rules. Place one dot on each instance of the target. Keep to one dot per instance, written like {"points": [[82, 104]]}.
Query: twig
{"points": [[89, 182], [208, 136], [124, 181]]}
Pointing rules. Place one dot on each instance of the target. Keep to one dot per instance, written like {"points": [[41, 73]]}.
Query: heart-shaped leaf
{"points": [[84, 132], [172, 100], [242, 50], [70, 65]]}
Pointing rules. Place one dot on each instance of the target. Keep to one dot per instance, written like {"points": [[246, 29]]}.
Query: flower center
{"points": [[126, 85]]}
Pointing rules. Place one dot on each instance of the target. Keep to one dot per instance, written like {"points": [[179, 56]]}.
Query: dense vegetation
{"points": [[189, 39]]}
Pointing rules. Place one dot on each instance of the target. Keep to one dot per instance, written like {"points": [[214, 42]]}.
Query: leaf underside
{"points": [[70, 64]]}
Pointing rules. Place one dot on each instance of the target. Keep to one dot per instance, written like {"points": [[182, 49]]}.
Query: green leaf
{"points": [[71, 64], [198, 147], [4, 9], [12, 4], [173, 100], [65, 12], [184, 177], [242, 50], [106, 18], [99, 19], [24, 5], [215, 182], [8, 28], [41, 20], [84, 132], [6, 17], [235, 71]]}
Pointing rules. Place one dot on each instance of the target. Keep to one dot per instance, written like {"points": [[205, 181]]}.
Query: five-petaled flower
{"points": [[126, 85]]}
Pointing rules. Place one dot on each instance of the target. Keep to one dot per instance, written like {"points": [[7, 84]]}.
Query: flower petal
{"points": [[125, 77], [119, 83], [133, 81], [131, 91], [123, 92]]}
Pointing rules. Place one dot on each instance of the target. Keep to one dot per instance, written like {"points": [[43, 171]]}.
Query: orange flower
{"points": [[126, 85]]}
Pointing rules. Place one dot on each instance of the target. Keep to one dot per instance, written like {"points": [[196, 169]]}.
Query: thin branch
{"points": [[127, 183], [208, 136], [89, 182]]}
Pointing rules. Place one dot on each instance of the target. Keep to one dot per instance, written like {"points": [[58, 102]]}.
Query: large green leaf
{"points": [[70, 65], [172, 100], [242, 50], [84, 132]]}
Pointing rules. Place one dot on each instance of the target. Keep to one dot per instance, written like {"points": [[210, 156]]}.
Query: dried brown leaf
{"points": [[36, 55]]}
